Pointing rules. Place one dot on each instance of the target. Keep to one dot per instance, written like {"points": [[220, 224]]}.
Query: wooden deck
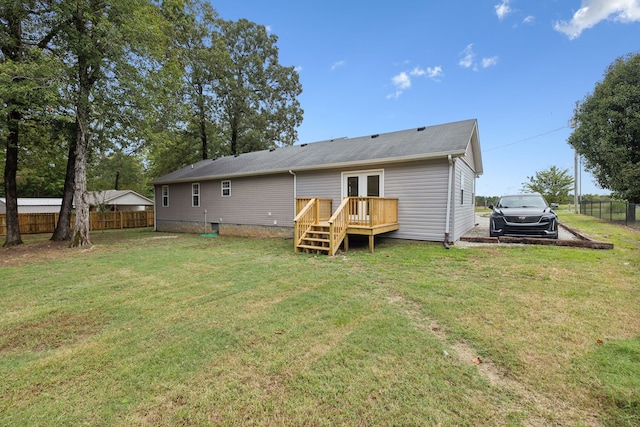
{"points": [[316, 229]]}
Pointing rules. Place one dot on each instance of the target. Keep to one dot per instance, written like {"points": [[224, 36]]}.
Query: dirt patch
{"points": [[54, 330], [540, 409], [32, 252]]}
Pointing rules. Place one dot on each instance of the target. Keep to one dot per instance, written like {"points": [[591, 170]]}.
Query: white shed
{"points": [[33, 205]]}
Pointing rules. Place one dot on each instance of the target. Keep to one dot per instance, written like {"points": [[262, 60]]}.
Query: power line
{"points": [[526, 139]]}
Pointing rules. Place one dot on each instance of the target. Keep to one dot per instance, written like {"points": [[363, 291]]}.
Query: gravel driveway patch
{"points": [[567, 236]]}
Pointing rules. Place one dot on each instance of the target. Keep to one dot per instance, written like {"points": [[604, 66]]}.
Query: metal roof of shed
{"points": [[36, 201], [414, 144]]}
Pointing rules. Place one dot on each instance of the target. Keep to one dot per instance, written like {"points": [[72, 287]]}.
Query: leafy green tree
{"points": [[182, 126], [117, 170], [109, 47], [486, 200], [26, 76], [607, 132], [257, 103], [553, 183], [200, 49], [44, 154], [235, 96]]}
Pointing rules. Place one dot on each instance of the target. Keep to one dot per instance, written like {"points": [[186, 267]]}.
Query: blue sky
{"points": [[518, 66]]}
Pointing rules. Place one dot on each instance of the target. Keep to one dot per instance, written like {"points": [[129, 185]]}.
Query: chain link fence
{"points": [[613, 211]]}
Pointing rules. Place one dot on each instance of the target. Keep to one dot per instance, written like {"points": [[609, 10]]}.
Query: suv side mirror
{"points": [[554, 205], [490, 206]]}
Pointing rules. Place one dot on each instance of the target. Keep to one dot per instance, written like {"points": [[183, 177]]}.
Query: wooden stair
{"points": [[316, 239], [317, 230]]}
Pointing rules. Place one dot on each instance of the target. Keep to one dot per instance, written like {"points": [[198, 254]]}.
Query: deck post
{"points": [[371, 241], [346, 242], [332, 250]]}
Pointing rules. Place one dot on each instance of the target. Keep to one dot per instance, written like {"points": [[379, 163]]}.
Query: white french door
{"points": [[362, 184]]}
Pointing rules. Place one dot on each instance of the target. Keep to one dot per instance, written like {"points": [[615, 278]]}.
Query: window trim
{"points": [[362, 174], [195, 195], [227, 188], [462, 188], [165, 196]]}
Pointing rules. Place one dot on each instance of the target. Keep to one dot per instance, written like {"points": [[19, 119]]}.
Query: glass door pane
{"points": [[352, 186], [373, 185]]}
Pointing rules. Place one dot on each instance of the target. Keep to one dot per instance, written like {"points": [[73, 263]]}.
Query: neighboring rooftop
{"points": [[118, 197], [36, 201]]}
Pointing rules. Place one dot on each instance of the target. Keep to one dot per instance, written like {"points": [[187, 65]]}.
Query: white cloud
{"points": [[529, 19], [268, 28], [418, 72], [337, 65], [431, 72], [503, 9], [467, 57], [489, 62], [402, 82], [593, 12], [297, 68]]}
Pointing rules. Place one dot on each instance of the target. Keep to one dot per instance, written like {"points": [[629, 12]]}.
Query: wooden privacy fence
{"points": [[33, 223]]}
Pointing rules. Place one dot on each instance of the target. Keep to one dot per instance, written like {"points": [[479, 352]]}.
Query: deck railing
{"points": [[353, 212], [372, 211], [324, 207], [307, 215], [338, 224]]}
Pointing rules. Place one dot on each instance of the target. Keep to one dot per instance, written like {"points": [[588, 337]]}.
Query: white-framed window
{"points": [[195, 195], [165, 196], [462, 187], [225, 187]]}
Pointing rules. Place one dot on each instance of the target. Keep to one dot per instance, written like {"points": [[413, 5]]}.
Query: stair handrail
{"points": [[304, 220], [338, 224]]}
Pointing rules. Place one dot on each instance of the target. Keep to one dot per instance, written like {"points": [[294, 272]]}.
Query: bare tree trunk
{"points": [[81, 225], [63, 228], [12, 49], [13, 236], [203, 123], [234, 135]]}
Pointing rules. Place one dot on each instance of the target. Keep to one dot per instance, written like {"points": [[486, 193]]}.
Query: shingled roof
{"points": [[428, 142], [118, 197]]}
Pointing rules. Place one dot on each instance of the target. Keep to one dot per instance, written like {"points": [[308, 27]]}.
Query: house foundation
{"points": [[239, 230]]}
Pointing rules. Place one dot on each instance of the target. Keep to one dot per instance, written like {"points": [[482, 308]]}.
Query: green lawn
{"points": [[155, 329]]}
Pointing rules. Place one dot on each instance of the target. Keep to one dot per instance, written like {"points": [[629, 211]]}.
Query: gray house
{"points": [[416, 184]]}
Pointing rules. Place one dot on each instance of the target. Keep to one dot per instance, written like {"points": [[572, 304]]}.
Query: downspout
{"points": [[295, 191], [448, 216], [155, 214]]}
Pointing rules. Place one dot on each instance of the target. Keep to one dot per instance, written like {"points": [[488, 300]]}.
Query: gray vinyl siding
{"points": [[464, 213], [468, 157], [324, 183], [261, 200], [421, 189]]}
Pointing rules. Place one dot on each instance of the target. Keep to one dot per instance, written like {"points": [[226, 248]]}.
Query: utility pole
{"points": [[573, 123], [575, 182]]}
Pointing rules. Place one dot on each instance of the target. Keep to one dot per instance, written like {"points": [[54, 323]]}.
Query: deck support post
{"points": [[371, 241]]}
